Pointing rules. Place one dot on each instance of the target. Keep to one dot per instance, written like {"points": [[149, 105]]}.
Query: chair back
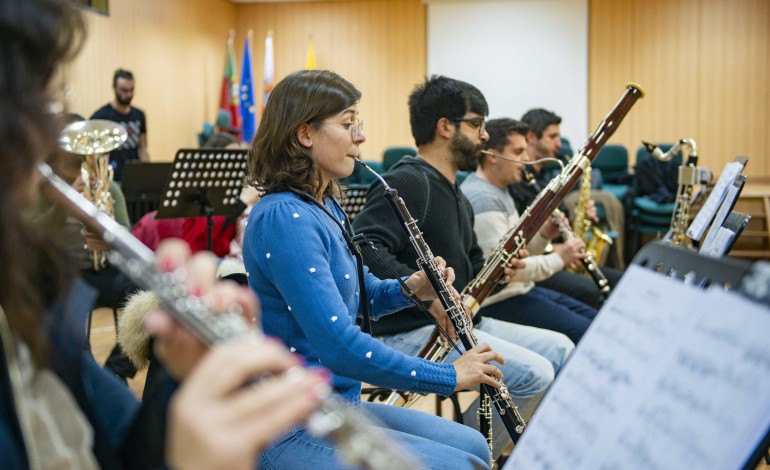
{"points": [[612, 160], [394, 154]]}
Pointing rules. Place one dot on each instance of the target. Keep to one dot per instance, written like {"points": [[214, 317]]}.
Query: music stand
{"points": [[204, 182], [142, 186]]}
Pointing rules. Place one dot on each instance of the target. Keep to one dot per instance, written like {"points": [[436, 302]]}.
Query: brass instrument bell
{"points": [[93, 140]]}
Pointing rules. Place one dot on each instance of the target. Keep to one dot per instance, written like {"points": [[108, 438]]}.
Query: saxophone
{"points": [[597, 242], [93, 140], [688, 176]]}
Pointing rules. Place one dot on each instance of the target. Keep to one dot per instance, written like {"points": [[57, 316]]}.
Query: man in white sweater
{"points": [[495, 213]]}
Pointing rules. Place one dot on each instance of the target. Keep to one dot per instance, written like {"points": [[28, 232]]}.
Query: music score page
{"points": [[668, 376]]}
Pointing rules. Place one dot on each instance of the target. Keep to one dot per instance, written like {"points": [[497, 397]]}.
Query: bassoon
{"points": [[492, 273]]}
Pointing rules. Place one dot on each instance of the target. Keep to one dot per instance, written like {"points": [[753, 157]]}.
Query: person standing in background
{"points": [[132, 118]]}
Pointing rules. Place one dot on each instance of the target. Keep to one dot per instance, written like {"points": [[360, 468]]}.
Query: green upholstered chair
{"points": [[612, 162], [394, 154], [645, 215]]}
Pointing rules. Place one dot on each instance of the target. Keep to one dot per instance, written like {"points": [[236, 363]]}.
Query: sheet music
{"points": [[727, 205], [706, 214], [668, 376], [716, 246]]}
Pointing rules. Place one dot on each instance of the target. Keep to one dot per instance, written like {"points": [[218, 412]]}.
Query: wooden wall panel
{"points": [[379, 45], [704, 64], [176, 50]]}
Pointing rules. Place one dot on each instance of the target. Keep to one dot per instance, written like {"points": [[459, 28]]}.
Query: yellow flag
{"points": [[310, 57]]}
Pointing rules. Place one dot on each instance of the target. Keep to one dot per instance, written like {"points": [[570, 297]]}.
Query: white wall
{"points": [[521, 54]]}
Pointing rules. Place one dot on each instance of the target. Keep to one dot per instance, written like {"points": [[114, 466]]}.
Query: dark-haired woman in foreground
{"points": [[58, 408]]}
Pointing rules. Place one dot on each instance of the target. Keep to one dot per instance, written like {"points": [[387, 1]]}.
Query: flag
{"points": [[310, 56], [228, 99], [248, 111], [269, 76]]}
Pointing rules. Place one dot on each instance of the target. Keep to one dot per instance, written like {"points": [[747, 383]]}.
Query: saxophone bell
{"points": [[93, 140]]}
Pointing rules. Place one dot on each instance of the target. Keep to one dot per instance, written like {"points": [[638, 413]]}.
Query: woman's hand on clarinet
{"points": [[419, 284], [219, 420], [473, 367]]}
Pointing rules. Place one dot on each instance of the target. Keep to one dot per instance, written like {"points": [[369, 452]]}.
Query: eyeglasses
{"points": [[356, 127], [475, 122]]}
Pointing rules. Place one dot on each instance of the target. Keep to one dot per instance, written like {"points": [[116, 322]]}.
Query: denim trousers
{"points": [[545, 308], [437, 443], [532, 358]]}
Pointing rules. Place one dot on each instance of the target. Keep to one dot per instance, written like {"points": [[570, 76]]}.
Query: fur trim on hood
{"points": [[131, 333]]}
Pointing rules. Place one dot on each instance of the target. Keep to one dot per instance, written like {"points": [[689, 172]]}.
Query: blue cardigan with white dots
{"points": [[305, 276]]}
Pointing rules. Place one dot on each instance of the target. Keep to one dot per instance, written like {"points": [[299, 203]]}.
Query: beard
{"points": [[123, 101], [465, 153]]}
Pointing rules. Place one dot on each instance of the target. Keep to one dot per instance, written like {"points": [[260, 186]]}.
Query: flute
{"points": [[360, 441]]}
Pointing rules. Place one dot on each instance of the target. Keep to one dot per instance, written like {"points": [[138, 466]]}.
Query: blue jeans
{"points": [[438, 443], [545, 308], [532, 357]]}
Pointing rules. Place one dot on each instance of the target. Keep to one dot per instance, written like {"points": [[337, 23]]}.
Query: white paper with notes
{"points": [[668, 376]]}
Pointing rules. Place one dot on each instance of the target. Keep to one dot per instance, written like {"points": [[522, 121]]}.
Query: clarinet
{"points": [[501, 398], [359, 440], [589, 264], [546, 201]]}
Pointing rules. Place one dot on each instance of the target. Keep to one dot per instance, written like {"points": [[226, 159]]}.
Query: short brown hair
{"points": [[277, 160]]}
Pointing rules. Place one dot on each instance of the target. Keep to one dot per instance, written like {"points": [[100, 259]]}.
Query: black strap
{"points": [[352, 241]]}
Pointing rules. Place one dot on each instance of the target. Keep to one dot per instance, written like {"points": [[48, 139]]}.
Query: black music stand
{"points": [[204, 182], [142, 186]]}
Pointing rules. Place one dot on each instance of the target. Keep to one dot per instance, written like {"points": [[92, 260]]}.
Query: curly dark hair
{"points": [[441, 97], [36, 36], [277, 160]]}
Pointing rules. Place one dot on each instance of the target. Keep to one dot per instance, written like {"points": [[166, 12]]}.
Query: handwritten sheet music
{"points": [[668, 376], [706, 214]]}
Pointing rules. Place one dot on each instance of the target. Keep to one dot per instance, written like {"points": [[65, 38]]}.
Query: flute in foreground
{"points": [[360, 441]]}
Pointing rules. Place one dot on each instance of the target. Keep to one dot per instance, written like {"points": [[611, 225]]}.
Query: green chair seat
{"points": [[621, 191], [652, 207]]}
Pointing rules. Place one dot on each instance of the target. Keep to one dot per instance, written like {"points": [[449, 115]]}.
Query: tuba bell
{"points": [[93, 140]]}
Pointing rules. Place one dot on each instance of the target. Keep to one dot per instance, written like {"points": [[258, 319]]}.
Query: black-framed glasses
{"points": [[475, 122]]}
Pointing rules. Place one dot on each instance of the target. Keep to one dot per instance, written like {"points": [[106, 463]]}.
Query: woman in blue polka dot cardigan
{"points": [[299, 263]]}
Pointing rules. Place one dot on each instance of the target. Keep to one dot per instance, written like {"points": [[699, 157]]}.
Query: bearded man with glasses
{"points": [[447, 118]]}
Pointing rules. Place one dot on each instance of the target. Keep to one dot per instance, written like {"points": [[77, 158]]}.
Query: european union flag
{"points": [[248, 111]]}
